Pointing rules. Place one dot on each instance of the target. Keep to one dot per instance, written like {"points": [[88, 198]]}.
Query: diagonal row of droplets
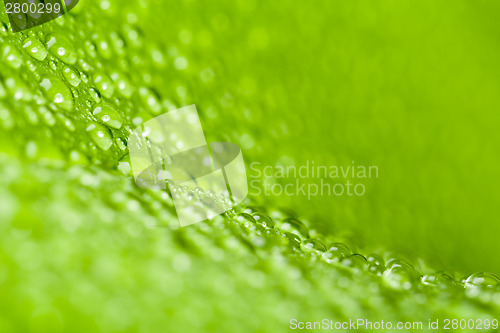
{"points": [[263, 230]]}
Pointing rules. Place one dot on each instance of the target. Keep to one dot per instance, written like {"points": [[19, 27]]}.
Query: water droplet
{"points": [[75, 93], [77, 157], [47, 116], [90, 49], [293, 239], [200, 192], [85, 65], [400, 275], [102, 45], [180, 63], [131, 18], [5, 117], [356, 261], [314, 244], [35, 48], [108, 115], [263, 219], [3, 29], [62, 48], [295, 226], [20, 20], [123, 84], [11, 55], [31, 149], [121, 143], [72, 76], [66, 122], [207, 75], [124, 167], [150, 100], [245, 219], [100, 135], [118, 43], [31, 116], [85, 77], [32, 68], [336, 252], [105, 85], [440, 280], [376, 264], [96, 96], [158, 58], [483, 280], [53, 65], [18, 89], [132, 36], [57, 92]]}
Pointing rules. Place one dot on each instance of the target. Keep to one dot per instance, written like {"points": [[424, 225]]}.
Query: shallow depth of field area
{"points": [[411, 88]]}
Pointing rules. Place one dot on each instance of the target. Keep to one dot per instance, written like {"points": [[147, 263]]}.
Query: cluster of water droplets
{"points": [[84, 77], [260, 230], [263, 230], [68, 82]]}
